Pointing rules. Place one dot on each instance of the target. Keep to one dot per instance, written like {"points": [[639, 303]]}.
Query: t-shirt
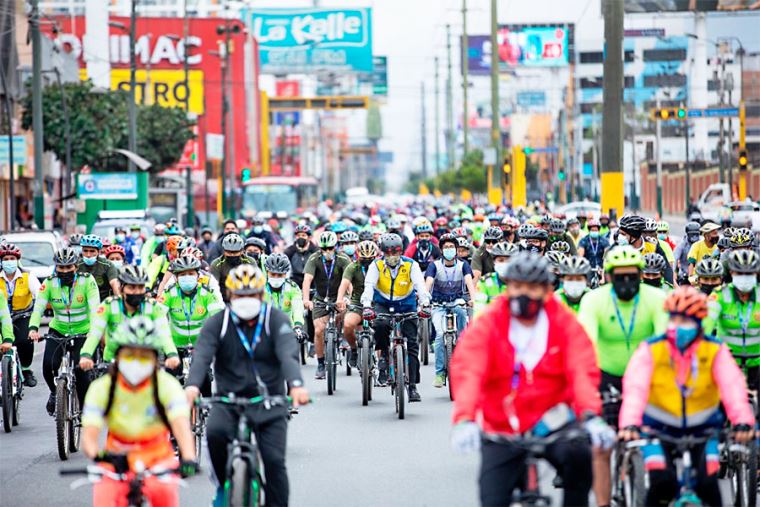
{"points": [[325, 274], [103, 272], [448, 284], [482, 261], [354, 273], [700, 250]]}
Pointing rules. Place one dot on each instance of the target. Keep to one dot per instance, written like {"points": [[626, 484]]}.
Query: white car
{"points": [[37, 250], [571, 210], [745, 211]]}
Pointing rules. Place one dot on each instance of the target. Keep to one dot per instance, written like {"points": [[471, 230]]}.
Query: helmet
{"points": [[441, 222], [159, 229], [368, 250], [277, 263], [723, 243], [741, 238], [493, 234], [462, 243], [622, 256], [245, 280], [258, 242], [349, 237], [66, 257], [709, 266], [535, 233], [133, 275], [459, 232], [114, 249], [366, 235], [729, 231], [185, 243], [184, 263], [393, 223], [91, 241], [423, 227], [560, 246], [529, 267], [10, 249], [663, 227], [339, 227], [575, 221], [194, 251], [391, 243], [557, 226], [523, 230], [173, 242], [172, 229], [328, 239], [692, 227], [74, 239], [555, 257], [650, 225], [687, 301], [233, 243], [633, 224], [510, 221], [448, 238], [302, 228], [137, 332], [574, 265], [503, 249], [594, 223], [654, 263], [744, 261], [545, 220]]}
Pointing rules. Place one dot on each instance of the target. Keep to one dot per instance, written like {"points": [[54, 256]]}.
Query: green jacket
{"points": [[112, 313], [734, 322], [489, 287], [146, 252], [6, 324], [73, 307], [156, 270], [188, 314], [573, 306], [220, 268], [288, 299]]}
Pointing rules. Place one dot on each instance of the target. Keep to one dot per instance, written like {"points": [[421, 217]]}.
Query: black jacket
{"points": [[298, 261], [275, 357]]}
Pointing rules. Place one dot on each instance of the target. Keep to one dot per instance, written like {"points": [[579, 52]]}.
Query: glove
{"points": [[188, 468], [368, 314], [119, 461], [465, 437], [601, 434], [424, 312]]}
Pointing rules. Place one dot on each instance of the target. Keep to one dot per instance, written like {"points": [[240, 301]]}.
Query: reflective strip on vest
{"points": [[692, 420]]}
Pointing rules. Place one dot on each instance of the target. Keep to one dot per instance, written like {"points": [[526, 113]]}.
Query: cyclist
{"points": [[534, 239], [631, 232], [353, 282], [141, 405], [232, 257], [282, 292], [104, 273], [618, 316], [19, 289], [707, 247], [252, 347], [299, 252], [709, 273], [116, 309], [115, 255], [741, 239], [493, 285], [395, 283], [482, 261], [73, 242], [555, 258], [650, 235], [558, 233], [348, 242], [654, 268], [325, 269], [74, 299], [255, 249], [593, 245], [733, 312], [676, 383], [527, 365], [663, 233], [259, 231], [158, 269], [574, 231], [574, 271], [464, 249], [150, 244], [204, 276], [424, 247], [681, 252]]}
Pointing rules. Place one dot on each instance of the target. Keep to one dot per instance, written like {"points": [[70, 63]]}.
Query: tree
{"points": [[470, 175]]}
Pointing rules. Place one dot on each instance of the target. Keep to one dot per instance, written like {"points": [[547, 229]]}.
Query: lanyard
{"points": [[187, 313], [629, 332], [249, 347], [594, 246], [744, 318], [332, 267], [67, 304], [11, 287]]}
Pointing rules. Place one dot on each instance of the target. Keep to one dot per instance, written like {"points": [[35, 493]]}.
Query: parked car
{"points": [[37, 250], [745, 211], [572, 209], [109, 220]]}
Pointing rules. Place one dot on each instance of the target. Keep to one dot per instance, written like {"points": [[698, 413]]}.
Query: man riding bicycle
{"points": [[282, 292], [493, 285], [91, 262], [574, 272]]}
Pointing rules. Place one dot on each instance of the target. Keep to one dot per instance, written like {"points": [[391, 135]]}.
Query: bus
{"points": [[279, 193]]}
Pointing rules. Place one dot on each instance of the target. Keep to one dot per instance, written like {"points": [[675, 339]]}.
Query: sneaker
{"points": [[50, 406], [382, 375], [29, 379], [438, 381], [320, 375], [312, 351], [352, 358], [414, 395]]}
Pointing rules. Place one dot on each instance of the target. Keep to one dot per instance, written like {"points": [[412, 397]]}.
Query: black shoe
{"points": [[414, 395], [50, 406], [29, 379], [352, 358], [382, 373], [320, 375]]}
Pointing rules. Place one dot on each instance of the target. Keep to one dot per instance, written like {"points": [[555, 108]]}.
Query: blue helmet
{"points": [[172, 230], [91, 241], [339, 227]]}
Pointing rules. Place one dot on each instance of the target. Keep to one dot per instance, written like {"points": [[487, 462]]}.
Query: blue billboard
{"points": [[312, 39], [112, 186]]}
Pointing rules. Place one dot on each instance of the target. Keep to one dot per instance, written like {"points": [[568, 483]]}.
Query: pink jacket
{"points": [[725, 372]]}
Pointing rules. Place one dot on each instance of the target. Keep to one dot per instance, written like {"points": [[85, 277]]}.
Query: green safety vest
{"points": [[488, 288], [734, 322], [188, 314], [288, 299], [73, 308]]}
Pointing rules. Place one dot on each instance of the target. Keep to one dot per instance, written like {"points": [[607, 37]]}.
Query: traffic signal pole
{"points": [[743, 158], [37, 125], [495, 175]]}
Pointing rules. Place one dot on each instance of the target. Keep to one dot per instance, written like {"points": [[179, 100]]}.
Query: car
{"points": [[107, 222], [37, 250], [745, 211], [572, 209]]}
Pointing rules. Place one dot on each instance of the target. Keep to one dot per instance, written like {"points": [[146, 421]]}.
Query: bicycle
{"points": [[398, 367], [332, 357], [245, 470], [11, 389], [302, 344], [450, 336], [198, 415], [424, 338], [365, 341], [67, 410], [535, 450]]}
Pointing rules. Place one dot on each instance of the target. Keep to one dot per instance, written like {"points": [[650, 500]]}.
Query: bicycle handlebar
{"points": [[533, 442], [397, 316], [102, 472], [275, 400], [63, 338]]}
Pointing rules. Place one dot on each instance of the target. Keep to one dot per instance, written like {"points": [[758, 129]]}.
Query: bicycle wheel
{"points": [[634, 481], [366, 373], [744, 478], [425, 341], [6, 391], [19, 381], [330, 362], [198, 423], [400, 381], [447, 361], [75, 425], [239, 485], [62, 421], [346, 354]]}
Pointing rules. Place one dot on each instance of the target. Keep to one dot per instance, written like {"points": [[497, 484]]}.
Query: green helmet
{"points": [[623, 256], [328, 239], [137, 332]]}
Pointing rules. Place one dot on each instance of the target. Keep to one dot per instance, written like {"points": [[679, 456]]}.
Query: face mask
{"points": [[66, 278], [232, 260], [449, 253], [90, 261], [120, 238], [575, 231], [594, 234], [683, 336], [10, 266], [707, 289], [424, 244], [662, 236], [255, 256], [134, 300], [135, 371], [393, 260], [246, 308], [349, 250], [693, 238], [654, 282], [276, 283], [604, 224], [328, 256], [626, 286], [622, 240], [525, 307], [188, 283], [365, 262], [574, 288], [535, 249], [744, 283], [117, 264], [711, 240], [160, 239], [258, 229], [301, 242], [501, 269], [135, 235]]}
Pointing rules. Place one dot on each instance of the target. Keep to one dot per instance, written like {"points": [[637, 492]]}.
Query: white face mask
{"points": [[744, 283], [135, 371], [276, 283], [574, 288], [246, 308], [501, 269]]}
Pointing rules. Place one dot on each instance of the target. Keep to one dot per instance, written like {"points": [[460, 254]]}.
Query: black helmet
{"points": [[185, 263], [560, 246], [133, 275], [66, 257], [692, 228], [493, 234], [503, 249], [447, 238], [232, 243], [654, 264], [709, 266], [391, 242], [256, 242], [744, 261], [632, 224], [366, 235], [529, 267], [557, 226], [304, 228], [574, 265], [277, 263]]}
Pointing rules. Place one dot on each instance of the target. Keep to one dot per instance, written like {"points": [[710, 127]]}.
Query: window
{"points": [[629, 81], [652, 104], [588, 107], [592, 57], [596, 82], [662, 80], [665, 55]]}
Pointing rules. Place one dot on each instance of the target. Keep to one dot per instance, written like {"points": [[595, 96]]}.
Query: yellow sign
{"points": [[423, 190], [163, 87]]}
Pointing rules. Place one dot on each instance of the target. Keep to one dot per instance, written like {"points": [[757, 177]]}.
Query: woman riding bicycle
{"points": [[140, 404], [675, 383]]}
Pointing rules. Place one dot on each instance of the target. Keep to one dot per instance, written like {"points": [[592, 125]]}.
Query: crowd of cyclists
{"points": [[590, 322]]}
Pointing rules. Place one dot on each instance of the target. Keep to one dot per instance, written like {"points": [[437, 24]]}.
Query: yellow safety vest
{"points": [[22, 298], [398, 287]]}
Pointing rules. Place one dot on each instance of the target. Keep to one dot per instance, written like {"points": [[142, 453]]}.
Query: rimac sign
{"points": [[310, 40]]}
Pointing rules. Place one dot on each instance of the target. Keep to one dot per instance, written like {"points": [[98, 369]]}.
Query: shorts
{"points": [[611, 409]]}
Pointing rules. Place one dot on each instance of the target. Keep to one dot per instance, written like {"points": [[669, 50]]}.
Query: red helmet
{"points": [[687, 301], [10, 249], [441, 222], [114, 249]]}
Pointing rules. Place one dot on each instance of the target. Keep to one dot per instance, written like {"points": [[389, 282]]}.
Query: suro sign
{"points": [[148, 49]]}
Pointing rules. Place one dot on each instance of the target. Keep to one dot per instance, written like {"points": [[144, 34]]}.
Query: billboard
{"points": [[307, 40], [112, 186], [643, 6], [377, 81]]}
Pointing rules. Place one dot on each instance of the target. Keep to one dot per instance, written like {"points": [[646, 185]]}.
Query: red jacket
{"points": [[483, 362]]}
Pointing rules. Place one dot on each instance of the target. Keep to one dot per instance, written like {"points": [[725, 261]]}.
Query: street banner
{"points": [[19, 150], [112, 186]]}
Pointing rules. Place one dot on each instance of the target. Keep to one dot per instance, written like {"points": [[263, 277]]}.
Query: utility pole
{"points": [[496, 172], [450, 148], [658, 158], [37, 126], [437, 126], [465, 80], [189, 215], [729, 84], [612, 109], [11, 172], [424, 132], [634, 170], [227, 30], [132, 83]]}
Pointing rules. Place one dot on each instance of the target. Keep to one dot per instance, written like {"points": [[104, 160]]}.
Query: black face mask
{"points": [[626, 286], [654, 282], [134, 300], [233, 260], [693, 238], [525, 307], [254, 256], [508, 236], [301, 242], [535, 249], [424, 244], [67, 278], [707, 289], [605, 224]]}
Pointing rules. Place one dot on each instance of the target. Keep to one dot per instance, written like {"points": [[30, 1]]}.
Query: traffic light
{"points": [[743, 160], [561, 175], [506, 166], [245, 174], [528, 150], [670, 113]]}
